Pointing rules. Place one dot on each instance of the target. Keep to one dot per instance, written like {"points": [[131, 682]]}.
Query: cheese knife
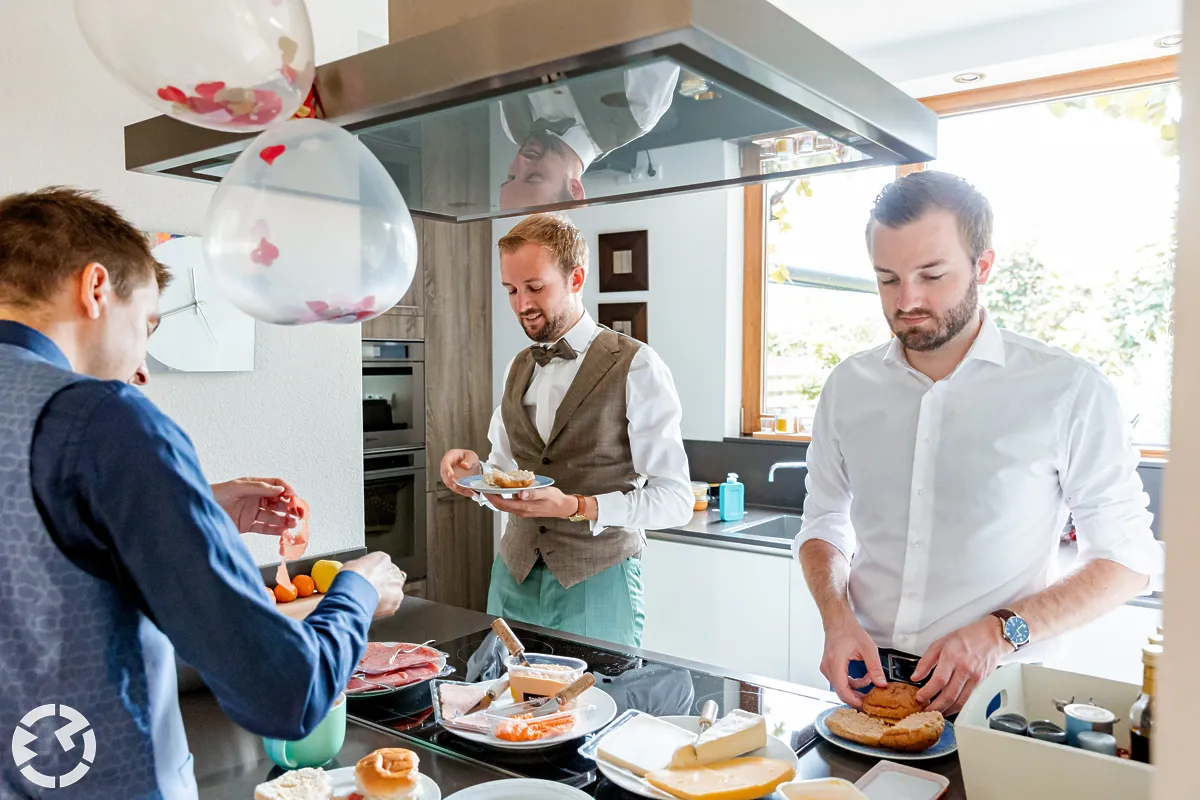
{"points": [[498, 688], [550, 705], [510, 641], [687, 753]]}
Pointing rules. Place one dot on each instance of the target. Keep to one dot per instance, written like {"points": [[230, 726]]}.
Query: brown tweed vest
{"points": [[587, 453]]}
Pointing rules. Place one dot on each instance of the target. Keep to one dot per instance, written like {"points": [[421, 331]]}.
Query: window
{"points": [[1082, 172]]}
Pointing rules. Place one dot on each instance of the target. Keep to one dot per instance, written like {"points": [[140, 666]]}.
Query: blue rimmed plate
{"points": [[945, 746]]}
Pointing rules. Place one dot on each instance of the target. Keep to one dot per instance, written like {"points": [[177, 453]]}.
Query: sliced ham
{"points": [[382, 657], [397, 678]]}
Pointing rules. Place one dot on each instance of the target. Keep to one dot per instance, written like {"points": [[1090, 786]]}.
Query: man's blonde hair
{"points": [[554, 232]]}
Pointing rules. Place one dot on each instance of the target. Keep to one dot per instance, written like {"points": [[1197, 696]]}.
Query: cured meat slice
{"points": [[396, 678], [384, 657]]}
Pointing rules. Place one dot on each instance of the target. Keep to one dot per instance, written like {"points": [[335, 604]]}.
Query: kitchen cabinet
{"points": [[724, 607], [807, 636], [460, 550]]}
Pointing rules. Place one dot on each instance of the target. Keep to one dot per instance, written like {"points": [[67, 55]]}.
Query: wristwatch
{"points": [[578, 516], [1013, 627]]}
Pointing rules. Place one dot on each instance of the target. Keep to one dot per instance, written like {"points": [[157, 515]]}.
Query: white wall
{"points": [[298, 415], [694, 304]]}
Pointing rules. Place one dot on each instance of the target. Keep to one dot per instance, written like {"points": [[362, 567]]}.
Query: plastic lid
{"points": [[731, 477], [1150, 654], [1090, 713]]}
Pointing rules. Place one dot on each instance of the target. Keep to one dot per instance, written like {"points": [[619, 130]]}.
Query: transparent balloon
{"points": [[231, 65], [307, 226]]}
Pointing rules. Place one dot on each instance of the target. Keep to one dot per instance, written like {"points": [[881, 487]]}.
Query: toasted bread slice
{"points": [[856, 726], [915, 733]]}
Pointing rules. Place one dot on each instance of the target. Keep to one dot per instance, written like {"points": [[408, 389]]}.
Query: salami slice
{"points": [[384, 657]]}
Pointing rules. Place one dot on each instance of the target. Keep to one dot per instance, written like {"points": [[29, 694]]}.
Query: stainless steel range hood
{"points": [[548, 104]]}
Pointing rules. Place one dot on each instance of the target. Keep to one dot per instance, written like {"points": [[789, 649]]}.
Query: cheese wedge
{"points": [[643, 744], [739, 779], [821, 789], [736, 734]]}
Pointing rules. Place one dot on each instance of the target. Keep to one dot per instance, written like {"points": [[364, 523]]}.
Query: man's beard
{"points": [[923, 340], [553, 327]]}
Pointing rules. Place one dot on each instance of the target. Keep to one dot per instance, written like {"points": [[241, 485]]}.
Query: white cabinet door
{"points": [[807, 635], [722, 607]]}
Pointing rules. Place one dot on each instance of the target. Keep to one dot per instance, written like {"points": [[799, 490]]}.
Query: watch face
{"points": [[1016, 630]]}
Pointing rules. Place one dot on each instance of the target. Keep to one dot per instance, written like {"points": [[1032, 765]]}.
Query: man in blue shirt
{"points": [[114, 552]]}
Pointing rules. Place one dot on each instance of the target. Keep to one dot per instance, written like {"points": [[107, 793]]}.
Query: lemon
{"points": [[323, 573]]}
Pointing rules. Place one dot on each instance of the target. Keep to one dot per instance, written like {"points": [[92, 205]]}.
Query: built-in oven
{"points": [[393, 392], [394, 505]]}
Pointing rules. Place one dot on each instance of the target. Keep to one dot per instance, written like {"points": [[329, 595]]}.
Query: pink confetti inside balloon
{"points": [[231, 65], [307, 226]]}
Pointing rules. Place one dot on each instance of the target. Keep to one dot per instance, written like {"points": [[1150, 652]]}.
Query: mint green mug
{"points": [[316, 749]]}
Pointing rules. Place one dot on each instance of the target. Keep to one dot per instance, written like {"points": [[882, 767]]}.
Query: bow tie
{"points": [[556, 126], [560, 349]]}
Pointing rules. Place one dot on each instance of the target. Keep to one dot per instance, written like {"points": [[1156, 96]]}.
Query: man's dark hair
{"points": [[51, 234], [907, 199]]}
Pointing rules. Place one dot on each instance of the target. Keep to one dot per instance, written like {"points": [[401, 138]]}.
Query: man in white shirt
{"points": [[944, 464], [561, 130], [597, 412]]}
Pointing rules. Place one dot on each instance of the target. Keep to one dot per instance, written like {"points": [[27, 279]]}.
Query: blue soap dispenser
{"points": [[733, 499]]}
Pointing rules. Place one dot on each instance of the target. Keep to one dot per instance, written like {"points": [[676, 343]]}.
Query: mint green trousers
{"points": [[608, 606]]}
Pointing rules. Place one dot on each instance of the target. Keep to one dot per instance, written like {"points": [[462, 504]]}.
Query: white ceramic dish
{"points": [[776, 748], [343, 784], [604, 711], [476, 483], [520, 789]]}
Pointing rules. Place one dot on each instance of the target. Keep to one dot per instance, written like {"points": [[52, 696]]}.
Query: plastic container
{"points": [[1046, 770], [700, 495], [545, 676], [732, 499]]}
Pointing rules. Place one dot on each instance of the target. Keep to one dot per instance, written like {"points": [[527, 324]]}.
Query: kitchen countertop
{"points": [[229, 761], [749, 533]]}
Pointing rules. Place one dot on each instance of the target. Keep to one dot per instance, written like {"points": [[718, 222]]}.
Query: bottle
{"points": [[732, 499], [1141, 716]]}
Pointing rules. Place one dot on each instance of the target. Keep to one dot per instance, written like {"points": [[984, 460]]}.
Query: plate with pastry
{"points": [[892, 725], [495, 481], [669, 757], [391, 773]]}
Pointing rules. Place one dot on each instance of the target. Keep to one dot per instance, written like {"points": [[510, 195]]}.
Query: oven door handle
{"points": [[386, 474]]}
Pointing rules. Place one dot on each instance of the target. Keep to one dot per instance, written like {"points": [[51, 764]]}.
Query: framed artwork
{"points": [[625, 262], [626, 318]]}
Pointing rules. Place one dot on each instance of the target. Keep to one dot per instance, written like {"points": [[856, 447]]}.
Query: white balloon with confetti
{"points": [[231, 65], [307, 226]]}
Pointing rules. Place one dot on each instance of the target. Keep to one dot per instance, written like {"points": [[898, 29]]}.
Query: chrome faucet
{"points": [[784, 465]]}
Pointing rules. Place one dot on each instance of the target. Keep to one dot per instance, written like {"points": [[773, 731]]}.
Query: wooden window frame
{"points": [[1113, 78]]}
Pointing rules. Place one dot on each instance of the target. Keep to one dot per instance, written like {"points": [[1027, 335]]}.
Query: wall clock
{"points": [[200, 330]]}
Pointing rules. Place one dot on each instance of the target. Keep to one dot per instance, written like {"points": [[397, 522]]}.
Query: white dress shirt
{"points": [[649, 90], [661, 495], [950, 497]]}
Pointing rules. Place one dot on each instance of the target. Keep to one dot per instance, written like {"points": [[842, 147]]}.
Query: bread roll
{"points": [[519, 479], [892, 703], [388, 774]]}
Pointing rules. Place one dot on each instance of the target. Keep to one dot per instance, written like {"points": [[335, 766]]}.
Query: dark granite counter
{"points": [[229, 761]]}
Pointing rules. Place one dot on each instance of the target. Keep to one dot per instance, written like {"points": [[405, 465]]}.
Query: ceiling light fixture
{"points": [[969, 77], [1167, 42]]}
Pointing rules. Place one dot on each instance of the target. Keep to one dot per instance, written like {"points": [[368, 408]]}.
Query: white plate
{"points": [[520, 789], [476, 483], [776, 748], [591, 721], [343, 784]]}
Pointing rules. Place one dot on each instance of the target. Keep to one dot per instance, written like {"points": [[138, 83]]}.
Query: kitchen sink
{"points": [[783, 526]]}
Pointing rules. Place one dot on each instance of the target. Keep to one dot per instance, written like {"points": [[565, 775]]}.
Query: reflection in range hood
{"points": [[550, 105]]}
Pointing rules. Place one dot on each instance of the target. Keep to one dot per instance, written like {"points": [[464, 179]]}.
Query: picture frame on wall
{"points": [[624, 261], [625, 318]]}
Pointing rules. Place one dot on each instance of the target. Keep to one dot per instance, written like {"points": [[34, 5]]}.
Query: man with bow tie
{"points": [[597, 412], [559, 131]]}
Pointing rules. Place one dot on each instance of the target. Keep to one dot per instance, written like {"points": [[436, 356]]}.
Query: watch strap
{"points": [[578, 516], [1004, 615]]}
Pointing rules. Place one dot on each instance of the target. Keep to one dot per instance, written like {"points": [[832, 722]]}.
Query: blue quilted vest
{"points": [[88, 700]]}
